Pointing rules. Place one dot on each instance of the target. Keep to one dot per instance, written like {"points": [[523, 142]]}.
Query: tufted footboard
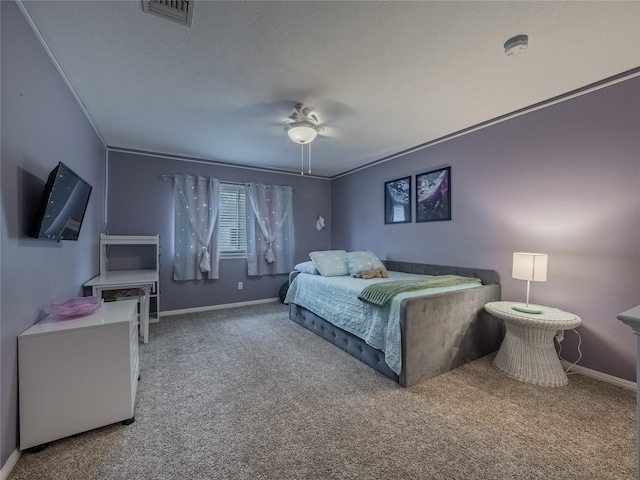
{"points": [[441, 332]]}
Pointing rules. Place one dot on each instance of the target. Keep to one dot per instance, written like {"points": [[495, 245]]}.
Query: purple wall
{"points": [[563, 180], [42, 124], [141, 203]]}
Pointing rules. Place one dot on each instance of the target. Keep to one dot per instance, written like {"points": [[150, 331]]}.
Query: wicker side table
{"points": [[527, 352]]}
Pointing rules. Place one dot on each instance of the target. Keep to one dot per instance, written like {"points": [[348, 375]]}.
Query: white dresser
{"points": [[77, 374]]}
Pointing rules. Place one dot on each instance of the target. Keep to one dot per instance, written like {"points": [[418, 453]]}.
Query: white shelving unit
{"points": [[154, 240]]}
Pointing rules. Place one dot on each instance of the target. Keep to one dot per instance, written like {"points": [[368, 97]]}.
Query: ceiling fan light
{"points": [[302, 134]]}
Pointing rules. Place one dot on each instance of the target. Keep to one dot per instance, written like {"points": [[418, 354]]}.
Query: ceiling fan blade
{"points": [[330, 111], [329, 132], [279, 109]]}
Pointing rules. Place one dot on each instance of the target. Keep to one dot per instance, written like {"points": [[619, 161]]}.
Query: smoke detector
{"points": [[516, 45]]}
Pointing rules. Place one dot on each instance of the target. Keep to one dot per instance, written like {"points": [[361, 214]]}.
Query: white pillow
{"points": [[330, 263], [306, 267], [358, 262]]}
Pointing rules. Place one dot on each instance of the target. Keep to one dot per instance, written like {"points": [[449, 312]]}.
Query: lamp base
{"points": [[526, 308]]}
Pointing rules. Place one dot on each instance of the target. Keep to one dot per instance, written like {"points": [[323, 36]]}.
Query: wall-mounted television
{"points": [[62, 207]]}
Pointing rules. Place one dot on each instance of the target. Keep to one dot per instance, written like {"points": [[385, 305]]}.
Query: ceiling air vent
{"points": [[180, 11]]}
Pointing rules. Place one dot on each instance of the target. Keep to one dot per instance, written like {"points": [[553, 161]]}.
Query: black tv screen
{"points": [[62, 207]]}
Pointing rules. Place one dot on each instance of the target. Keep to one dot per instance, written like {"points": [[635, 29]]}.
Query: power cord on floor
{"points": [[559, 339]]}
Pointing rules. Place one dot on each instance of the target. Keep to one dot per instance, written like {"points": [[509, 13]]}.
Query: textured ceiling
{"points": [[382, 76]]}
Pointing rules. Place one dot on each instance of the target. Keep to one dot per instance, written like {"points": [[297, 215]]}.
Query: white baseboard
{"points": [[218, 307], [10, 463], [587, 372]]}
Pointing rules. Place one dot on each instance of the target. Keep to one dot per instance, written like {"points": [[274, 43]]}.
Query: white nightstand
{"points": [[527, 352]]}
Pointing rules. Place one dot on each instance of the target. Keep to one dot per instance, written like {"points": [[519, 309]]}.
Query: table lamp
{"points": [[529, 267]]}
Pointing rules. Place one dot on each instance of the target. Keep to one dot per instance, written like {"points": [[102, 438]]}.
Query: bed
{"points": [[423, 333]]}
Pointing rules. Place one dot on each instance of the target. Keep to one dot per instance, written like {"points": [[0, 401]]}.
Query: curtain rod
{"points": [[167, 176]]}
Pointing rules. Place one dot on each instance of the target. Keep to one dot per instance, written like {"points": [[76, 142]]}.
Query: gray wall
{"points": [[42, 124], [563, 180], [141, 203]]}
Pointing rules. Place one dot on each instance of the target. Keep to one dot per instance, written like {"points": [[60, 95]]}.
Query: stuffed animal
{"points": [[372, 273]]}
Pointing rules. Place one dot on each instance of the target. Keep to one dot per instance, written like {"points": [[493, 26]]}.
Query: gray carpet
{"points": [[247, 394]]}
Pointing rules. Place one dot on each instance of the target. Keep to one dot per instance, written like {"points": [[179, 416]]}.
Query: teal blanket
{"points": [[380, 294]]}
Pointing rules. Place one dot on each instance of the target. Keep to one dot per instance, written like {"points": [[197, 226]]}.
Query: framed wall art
{"points": [[433, 195], [397, 201]]}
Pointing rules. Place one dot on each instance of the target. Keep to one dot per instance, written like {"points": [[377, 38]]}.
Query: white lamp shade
{"points": [[530, 266], [302, 134]]}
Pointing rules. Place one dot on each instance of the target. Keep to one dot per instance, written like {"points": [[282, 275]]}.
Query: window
{"points": [[232, 237]]}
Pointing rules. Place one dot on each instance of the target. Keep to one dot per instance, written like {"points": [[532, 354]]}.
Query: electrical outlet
{"points": [[240, 286]]}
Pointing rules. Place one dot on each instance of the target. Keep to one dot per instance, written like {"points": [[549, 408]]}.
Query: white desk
{"points": [[122, 279]]}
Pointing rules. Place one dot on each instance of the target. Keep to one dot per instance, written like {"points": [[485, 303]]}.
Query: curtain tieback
{"points": [[205, 262], [268, 255]]}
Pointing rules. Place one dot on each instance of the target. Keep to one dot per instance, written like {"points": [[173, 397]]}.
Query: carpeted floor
{"points": [[247, 394]]}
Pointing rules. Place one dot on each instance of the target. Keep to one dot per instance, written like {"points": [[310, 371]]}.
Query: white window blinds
{"points": [[232, 222]]}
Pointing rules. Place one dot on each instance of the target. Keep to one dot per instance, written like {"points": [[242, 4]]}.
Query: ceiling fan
{"points": [[303, 129], [305, 125]]}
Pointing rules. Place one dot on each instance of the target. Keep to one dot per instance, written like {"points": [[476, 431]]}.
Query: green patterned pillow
{"points": [[330, 263]]}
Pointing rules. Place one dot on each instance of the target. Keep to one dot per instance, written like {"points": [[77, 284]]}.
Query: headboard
{"points": [[487, 277]]}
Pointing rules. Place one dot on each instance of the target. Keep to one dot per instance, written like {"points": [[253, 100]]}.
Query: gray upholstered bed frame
{"points": [[439, 332]]}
